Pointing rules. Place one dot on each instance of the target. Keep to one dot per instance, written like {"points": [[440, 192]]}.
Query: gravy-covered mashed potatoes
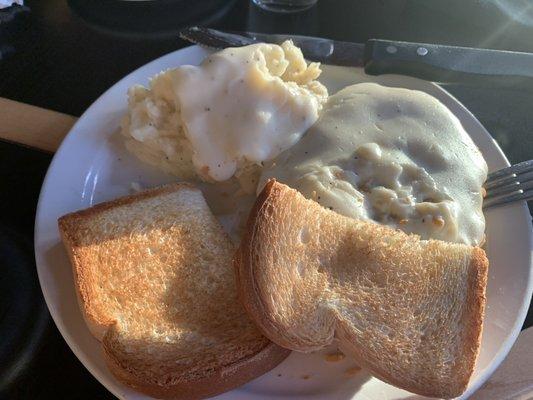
{"points": [[396, 156], [239, 108]]}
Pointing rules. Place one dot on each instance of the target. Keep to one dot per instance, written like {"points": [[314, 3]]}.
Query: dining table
{"points": [[57, 57]]}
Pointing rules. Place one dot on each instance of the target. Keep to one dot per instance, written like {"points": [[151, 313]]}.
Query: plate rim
{"points": [[112, 387]]}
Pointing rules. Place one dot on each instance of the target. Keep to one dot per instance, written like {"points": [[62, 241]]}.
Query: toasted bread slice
{"points": [[155, 282], [408, 310]]}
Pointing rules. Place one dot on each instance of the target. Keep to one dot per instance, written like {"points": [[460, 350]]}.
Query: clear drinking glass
{"points": [[285, 6]]}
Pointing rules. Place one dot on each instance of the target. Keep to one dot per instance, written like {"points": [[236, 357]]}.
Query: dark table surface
{"points": [[63, 55]]}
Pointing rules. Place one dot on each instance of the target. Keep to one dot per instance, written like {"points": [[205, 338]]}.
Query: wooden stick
{"points": [[33, 126]]}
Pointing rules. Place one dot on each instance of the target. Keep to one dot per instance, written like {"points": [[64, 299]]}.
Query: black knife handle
{"points": [[440, 63]]}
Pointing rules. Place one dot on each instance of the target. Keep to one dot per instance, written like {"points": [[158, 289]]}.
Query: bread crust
{"points": [[246, 287], [251, 297], [220, 381], [473, 317], [121, 201]]}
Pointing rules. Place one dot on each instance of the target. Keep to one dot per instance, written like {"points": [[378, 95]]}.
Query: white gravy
{"points": [[247, 103], [395, 156]]}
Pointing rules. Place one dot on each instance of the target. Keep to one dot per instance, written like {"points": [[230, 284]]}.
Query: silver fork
{"points": [[508, 185]]}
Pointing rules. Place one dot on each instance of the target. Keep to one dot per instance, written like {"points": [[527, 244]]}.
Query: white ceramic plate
{"points": [[92, 166]]}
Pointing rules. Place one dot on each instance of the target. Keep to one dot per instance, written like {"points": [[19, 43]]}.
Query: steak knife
{"points": [[433, 62]]}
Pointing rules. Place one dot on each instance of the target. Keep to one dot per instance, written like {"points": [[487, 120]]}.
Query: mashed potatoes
{"points": [[239, 108]]}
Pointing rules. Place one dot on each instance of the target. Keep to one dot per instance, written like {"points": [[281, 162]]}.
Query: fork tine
{"points": [[503, 189], [511, 198], [519, 168], [500, 181], [507, 185], [523, 176]]}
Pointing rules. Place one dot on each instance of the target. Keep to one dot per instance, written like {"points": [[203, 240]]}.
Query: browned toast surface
{"points": [[155, 281]]}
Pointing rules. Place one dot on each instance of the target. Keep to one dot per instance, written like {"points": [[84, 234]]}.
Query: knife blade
{"points": [[326, 51], [433, 62]]}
